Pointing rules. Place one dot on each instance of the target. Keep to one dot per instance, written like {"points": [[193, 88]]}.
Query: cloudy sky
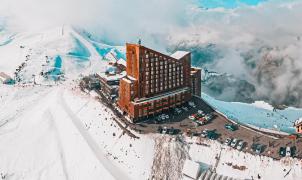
{"points": [[188, 24]]}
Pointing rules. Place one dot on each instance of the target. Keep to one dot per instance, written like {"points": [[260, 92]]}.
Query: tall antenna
{"points": [[139, 41]]}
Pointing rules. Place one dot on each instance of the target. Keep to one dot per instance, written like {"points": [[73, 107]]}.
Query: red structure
{"points": [[156, 82]]}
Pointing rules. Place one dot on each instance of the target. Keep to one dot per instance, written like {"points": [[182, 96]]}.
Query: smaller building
{"points": [[109, 83], [298, 125], [6, 79], [196, 81]]}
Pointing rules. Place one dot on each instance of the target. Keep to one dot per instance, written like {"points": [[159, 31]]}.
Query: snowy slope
{"points": [[40, 51], [39, 141]]}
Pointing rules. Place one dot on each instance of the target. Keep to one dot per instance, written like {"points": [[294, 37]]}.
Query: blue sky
{"points": [[228, 3]]}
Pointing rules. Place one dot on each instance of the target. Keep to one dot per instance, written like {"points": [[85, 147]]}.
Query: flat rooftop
{"points": [[112, 77], [179, 54]]}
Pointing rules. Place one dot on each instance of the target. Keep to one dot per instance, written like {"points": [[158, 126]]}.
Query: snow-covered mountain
{"points": [[58, 52], [247, 74], [55, 131]]}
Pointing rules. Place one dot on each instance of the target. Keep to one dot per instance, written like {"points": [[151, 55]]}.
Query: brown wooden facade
{"points": [[154, 83]]}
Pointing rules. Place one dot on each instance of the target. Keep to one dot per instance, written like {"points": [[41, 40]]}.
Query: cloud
{"points": [[260, 44], [116, 21], [247, 41]]}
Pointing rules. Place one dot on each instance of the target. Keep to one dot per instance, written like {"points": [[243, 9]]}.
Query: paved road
{"points": [[248, 135]]}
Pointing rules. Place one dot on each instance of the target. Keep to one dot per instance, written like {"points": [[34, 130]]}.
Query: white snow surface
{"points": [[79, 55], [53, 133]]}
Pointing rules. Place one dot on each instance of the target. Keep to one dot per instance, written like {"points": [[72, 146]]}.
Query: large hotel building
{"points": [[156, 82]]}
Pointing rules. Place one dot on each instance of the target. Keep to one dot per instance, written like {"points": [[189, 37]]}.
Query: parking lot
{"points": [[264, 144]]}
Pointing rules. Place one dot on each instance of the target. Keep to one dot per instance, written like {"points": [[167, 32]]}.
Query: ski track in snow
{"points": [[115, 172], [49, 115]]}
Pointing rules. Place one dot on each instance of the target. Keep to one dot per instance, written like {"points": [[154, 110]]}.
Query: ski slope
{"points": [[45, 139], [39, 51]]}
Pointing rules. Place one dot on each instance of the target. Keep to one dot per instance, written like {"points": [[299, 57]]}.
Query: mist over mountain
{"points": [[256, 50]]}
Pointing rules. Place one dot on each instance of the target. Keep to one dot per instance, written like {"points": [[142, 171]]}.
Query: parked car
{"points": [[192, 117], [201, 121], [192, 104], [177, 111], [208, 117], [167, 116], [185, 108], [241, 145], [231, 127], [288, 152], [259, 149], [171, 131], [228, 141], [212, 135], [159, 129], [282, 151], [200, 112], [165, 130], [204, 133], [234, 143]]}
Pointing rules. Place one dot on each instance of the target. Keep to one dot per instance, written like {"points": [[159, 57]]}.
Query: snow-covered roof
{"points": [[179, 54], [122, 62], [110, 77], [131, 78], [298, 122], [127, 80], [191, 169]]}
